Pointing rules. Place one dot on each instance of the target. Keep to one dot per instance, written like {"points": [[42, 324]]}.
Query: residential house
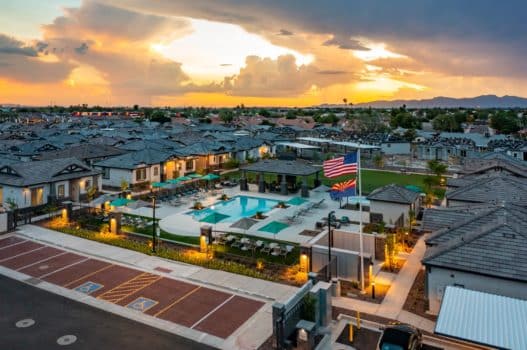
{"points": [[393, 203], [30, 184]]}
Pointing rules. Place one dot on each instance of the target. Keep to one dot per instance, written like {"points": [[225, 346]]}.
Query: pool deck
{"points": [[179, 223]]}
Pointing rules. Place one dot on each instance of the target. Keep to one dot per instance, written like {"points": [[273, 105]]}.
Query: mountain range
{"points": [[484, 101]]}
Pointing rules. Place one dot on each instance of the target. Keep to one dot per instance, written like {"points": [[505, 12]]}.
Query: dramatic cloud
{"points": [[11, 46], [345, 44]]}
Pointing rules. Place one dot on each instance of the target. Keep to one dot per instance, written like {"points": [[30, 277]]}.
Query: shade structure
{"points": [[214, 218], [210, 177], [195, 176], [414, 188], [296, 201], [183, 178], [274, 227], [158, 184], [120, 202], [244, 223], [174, 181]]}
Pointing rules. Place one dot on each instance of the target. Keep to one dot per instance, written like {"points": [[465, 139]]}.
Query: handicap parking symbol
{"points": [[88, 287], [141, 304]]}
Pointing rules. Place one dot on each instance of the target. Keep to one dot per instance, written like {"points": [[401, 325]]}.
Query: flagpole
{"points": [[360, 221]]}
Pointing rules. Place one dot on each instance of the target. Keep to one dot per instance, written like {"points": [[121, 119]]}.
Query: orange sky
{"points": [[73, 52]]}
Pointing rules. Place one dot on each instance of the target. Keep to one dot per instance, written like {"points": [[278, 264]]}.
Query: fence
{"points": [[328, 270]]}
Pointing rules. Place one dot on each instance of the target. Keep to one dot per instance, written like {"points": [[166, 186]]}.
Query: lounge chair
{"points": [[276, 251], [266, 248], [236, 243]]}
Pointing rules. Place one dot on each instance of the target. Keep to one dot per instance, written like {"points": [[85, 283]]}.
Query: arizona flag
{"points": [[341, 165]]}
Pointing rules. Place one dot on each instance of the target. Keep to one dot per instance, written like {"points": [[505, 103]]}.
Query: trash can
{"points": [[335, 287]]}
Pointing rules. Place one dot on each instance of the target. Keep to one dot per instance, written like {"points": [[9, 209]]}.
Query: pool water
{"points": [[236, 208]]}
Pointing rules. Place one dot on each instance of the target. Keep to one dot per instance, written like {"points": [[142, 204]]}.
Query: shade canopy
{"points": [[296, 201], [174, 181], [244, 223], [184, 178], [195, 176], [214, 218], [274, 227], [158, 184], [210, 177], [120, 202], [414, 188]]}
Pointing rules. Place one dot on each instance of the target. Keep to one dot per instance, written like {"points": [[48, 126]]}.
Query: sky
{"points": [[258, 53]]}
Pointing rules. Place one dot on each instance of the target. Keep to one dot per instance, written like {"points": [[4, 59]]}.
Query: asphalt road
{"points": [[56, 317]]}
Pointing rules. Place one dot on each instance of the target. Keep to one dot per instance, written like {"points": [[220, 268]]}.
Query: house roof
{"points": [[83, 152], [131, 160], [32, 173], [455, 222], [483, 318], [496, 187], [497, 249], [393, 193]]}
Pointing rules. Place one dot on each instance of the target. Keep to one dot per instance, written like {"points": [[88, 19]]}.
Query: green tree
{"points": [[505, 122], [378, 160], [159, 116], [410, 135], [446, 122], [226, 116]]}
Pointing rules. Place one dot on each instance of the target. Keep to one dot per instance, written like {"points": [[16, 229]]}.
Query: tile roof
{"points": [[497, 187], [393, 193], [131, 160], [497, 249]]}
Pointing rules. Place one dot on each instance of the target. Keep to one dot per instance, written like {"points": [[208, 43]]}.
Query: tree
{"points": [[436, 167], [410, 135], [378, 160], [124, 185], [404, 120], [226, 116], [446, 122], [159, 116], [505, 122], [90, 193]]}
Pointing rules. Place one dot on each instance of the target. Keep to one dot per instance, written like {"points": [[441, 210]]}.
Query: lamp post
{"points": [[154, 224], [330, 243]]}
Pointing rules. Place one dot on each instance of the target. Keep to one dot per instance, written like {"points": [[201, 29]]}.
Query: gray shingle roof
{"points": [[278, 166], [498, 249], [493, 188], [83, 152], [131, 160], [45, 171], [395, 194]]}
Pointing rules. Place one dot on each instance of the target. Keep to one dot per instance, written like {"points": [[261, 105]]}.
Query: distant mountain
{"points": [[484, 101]]}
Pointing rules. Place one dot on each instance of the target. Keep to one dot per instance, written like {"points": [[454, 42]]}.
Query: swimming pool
{"points": [[236, 208]]}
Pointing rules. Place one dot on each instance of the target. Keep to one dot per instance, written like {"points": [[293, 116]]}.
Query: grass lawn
{"points": [[371, 179]]}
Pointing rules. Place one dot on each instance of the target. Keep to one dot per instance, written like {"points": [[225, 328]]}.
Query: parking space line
{"points": [[64, 268], [177, 301], [213, 310], [24, 253], [88, 275], [41, 261], [7, 246]]}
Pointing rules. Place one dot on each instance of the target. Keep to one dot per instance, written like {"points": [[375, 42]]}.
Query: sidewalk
{"points": [[253, 333], [392, 305]]}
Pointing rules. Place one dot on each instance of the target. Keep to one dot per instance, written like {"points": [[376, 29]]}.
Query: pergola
{"points": [[281, 168]]}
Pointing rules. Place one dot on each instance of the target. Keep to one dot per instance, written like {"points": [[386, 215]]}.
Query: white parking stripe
{"points": [[213, 310], [15, 256], [7, 246], [64, 268], [41, 261]]}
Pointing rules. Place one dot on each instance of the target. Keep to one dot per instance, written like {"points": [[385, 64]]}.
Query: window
{"points": [[189, 164], [106, 173], [140, 174], [61, 191], [156, 171]]}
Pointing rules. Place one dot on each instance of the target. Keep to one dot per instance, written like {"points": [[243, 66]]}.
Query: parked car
{"points": [[400, 336]]}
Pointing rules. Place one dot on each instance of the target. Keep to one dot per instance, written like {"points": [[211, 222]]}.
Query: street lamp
{"points": [[330, 243], [154, 224]]}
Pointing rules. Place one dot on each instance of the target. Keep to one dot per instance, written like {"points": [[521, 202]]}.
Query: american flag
{"points": [[341, 165]]}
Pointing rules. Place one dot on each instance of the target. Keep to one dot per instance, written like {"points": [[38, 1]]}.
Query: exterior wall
{"points": [[66, 188], [396, 148], [439, 278], [116, 176], [390, 211], [350, 241], [22, 196], [348, 262]]}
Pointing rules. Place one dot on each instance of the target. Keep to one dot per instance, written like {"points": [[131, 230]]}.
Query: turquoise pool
{"points": [[236, 208]]}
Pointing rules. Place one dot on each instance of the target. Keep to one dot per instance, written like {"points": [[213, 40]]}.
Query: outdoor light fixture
{"points": [[373, 289], [65, 214]]}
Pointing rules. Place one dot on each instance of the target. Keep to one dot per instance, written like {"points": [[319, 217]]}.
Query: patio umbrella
{"points": [[120, 202], [210, 177], [214, 218], [195, 176], [274, 227], [244, 223], [296, 201], [183, 178], [174, 181], [158, 184]]}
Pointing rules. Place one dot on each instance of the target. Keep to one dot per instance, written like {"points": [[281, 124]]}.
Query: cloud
{"points": [[12, 46], [285, 32], [345, 44], [279, 77], [81, 50]]}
